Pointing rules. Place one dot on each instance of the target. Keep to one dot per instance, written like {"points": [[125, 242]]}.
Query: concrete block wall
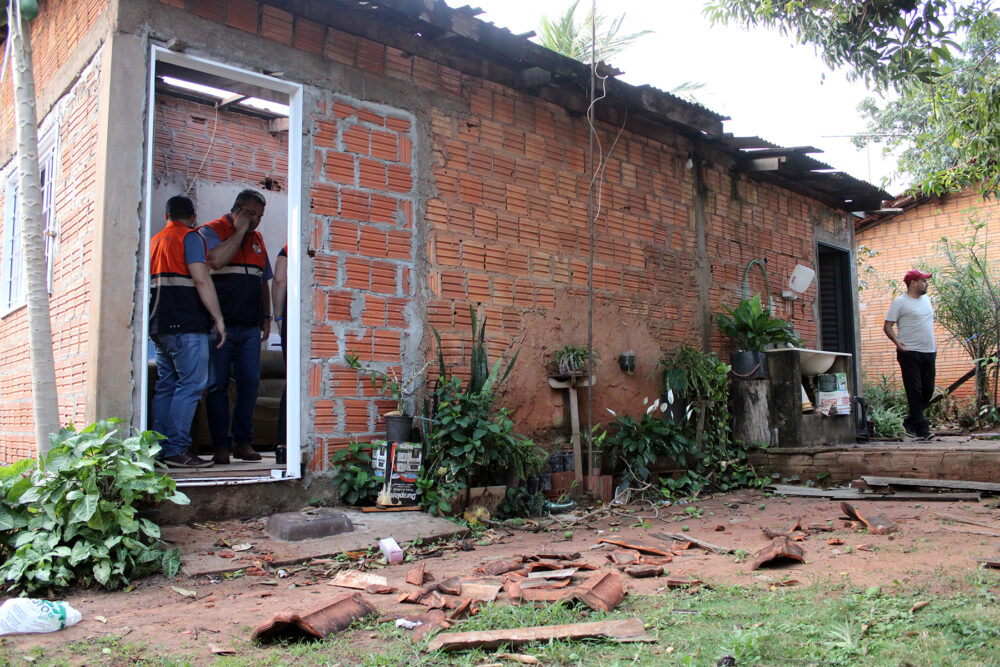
{"points": [[69, 302], [904, 242]]}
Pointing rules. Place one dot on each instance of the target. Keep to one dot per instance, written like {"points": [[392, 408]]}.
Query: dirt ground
{"points": [[927, 551]]}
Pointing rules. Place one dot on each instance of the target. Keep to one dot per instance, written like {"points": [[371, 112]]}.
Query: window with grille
{"points": [[12, 278]]}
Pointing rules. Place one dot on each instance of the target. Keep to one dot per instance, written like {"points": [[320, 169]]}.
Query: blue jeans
{"points": [[238, 358], [181, 377]]}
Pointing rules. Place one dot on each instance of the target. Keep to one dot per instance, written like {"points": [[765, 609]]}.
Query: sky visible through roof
{"points": [[769, 87]]}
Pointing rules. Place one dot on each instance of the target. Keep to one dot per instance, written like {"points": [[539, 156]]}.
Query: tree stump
{"points": [[751, 411]]}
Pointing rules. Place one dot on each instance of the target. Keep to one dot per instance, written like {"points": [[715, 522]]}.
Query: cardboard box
{"points": [[398, 465]]}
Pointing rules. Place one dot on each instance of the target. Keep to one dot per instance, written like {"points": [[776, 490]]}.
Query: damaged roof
{"points": [[450, 36]]}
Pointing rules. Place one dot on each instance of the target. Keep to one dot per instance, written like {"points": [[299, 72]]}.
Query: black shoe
{"points": [[245, 452], [186, 460], [910, 432], [221, 457]]}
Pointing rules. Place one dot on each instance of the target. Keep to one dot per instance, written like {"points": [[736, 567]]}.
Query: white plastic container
{"points": [[390, 549], [802, 277]]}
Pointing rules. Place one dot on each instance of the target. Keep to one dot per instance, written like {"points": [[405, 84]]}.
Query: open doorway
{"points": [[836, 299], [215, 131]]}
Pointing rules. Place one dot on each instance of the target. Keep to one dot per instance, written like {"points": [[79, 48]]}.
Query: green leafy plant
{"points": [[74, 519], [518, 503], [753, 328], [354, 476], [397, 385], [468, 439], [573, 359]]}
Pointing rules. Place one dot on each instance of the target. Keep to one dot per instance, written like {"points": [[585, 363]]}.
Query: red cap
{"points": [[914, 274]]}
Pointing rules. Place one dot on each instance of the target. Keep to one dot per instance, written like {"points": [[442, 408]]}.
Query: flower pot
{"points": [[749, 365], [398, 427], [627, 362], [532, 484], [556, 462]]}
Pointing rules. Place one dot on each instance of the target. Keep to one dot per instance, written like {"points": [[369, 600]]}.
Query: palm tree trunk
{"points": [[32, 225]]}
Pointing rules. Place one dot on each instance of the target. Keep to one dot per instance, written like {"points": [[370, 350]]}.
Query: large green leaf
{"points": [[102, 571], [83, 509]]}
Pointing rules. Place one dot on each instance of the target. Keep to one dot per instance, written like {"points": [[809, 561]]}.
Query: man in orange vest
{"points": [[183, 311], [240, 271]]}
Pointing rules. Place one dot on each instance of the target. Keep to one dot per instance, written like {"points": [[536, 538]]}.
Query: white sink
{"points": [[813, 362]]}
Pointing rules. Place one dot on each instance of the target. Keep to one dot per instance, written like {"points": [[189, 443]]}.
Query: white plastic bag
{"points": [[26, 615]]}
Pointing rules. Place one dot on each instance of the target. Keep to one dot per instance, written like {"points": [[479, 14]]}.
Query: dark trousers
{"points": [[283, 410], [917, 369]]}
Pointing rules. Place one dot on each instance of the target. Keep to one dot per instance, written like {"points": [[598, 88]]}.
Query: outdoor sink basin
{"points": [[814, 362]]}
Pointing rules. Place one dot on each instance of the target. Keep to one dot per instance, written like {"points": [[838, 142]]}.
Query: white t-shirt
{"points": [[914, 320]]}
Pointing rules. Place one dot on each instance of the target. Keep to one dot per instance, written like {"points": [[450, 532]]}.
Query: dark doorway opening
{"points": [[836, 299]]}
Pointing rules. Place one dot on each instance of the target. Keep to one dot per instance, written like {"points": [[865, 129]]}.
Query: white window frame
{"points": [[13, 293]]}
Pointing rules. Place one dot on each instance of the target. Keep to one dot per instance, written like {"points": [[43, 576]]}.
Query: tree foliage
{"points": [[967, 301], [927, 123], [907, 46], [572, 39]]}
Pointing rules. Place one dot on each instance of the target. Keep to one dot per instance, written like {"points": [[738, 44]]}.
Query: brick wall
{"points": [[503, 223], [906, 241], [191, 144], [76, 114], [362, 233], [55, 33]]}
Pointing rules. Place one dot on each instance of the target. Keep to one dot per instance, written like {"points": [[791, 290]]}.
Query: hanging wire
{"points": [[590, 215]]}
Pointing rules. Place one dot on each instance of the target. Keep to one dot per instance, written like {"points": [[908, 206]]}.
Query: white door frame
{"points": [[293, 216]]}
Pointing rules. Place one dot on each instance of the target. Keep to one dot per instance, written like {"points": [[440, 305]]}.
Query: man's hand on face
{"points": [[243, 220]]}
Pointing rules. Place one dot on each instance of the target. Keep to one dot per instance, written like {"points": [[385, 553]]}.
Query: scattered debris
{"points": [[408, 624], [780, 547], [450, 586], [218, 649], [989, 562], [320, 623], [418, 575], [677, 537], [644, 571], [628, 630], [684, 583], [185, 592], [498, 567], [876, 522], [636, 547], [482, 592], [380, 589], [833, 541], [357, 579], [794, 532], [603, 591], [919, 605]]}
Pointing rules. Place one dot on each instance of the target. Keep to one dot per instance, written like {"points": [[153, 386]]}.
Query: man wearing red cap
{"points": [[913, 317]]}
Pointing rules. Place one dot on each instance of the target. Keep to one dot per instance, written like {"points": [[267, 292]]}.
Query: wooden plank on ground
{"points": [[932, 483], [628, 630], [857, 494]]}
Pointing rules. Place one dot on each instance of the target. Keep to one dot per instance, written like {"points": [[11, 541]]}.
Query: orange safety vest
{"points": [[174, 304], [239, 283]]}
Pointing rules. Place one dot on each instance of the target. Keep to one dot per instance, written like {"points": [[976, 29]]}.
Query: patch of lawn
{"points": [[819, 624]]}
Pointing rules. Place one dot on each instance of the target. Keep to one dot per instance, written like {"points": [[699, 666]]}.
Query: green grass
{"points": [[820, 624]]}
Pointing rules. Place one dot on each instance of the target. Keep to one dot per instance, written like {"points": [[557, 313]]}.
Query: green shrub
{"points": [[355, 478], [73, 519]]}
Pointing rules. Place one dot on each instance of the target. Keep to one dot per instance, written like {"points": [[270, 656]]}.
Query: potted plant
{"points": [[573, 360], [754, 329], [398, 424]]}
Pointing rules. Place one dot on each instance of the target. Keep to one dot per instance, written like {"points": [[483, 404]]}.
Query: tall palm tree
{"points": [[564, 35], [31, 223]]}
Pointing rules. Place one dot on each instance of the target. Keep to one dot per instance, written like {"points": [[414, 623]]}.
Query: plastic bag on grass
{"points": [[26, 615]]}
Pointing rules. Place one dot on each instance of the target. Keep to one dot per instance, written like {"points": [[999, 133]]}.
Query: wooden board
{"points": [[932, 483], [856, 494]]}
